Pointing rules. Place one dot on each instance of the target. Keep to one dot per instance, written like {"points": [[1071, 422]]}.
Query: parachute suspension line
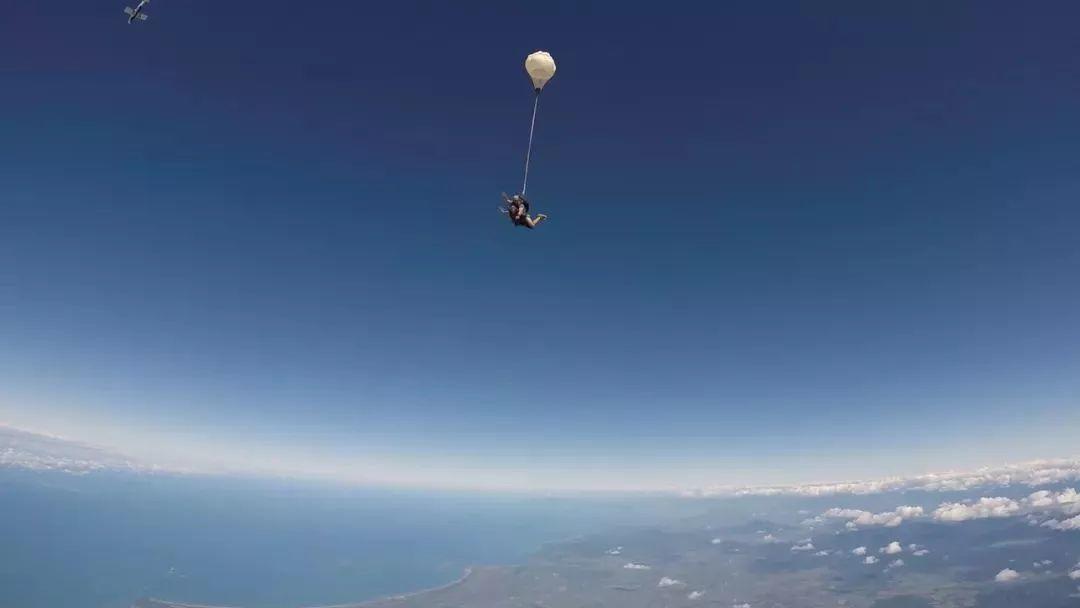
{"points": [[528, 153]]}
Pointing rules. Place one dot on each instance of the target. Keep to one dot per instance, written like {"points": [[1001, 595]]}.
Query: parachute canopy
{"points": [[541, 67]]}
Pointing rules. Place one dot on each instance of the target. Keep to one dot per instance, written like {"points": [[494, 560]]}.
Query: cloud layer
{"points": [[1054, 510], [1032, 474]]}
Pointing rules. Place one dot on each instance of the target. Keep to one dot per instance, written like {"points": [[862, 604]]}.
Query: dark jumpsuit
{"points": [[520, 220]]}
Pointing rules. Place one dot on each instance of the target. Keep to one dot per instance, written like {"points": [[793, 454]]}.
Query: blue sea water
{"points": [[104, 540]]}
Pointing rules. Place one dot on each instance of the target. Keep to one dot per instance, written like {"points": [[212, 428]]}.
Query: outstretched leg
{"points": [[532, 222]]}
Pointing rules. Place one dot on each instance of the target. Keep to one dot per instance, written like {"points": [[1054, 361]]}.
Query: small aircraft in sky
{"points": [[137, 12]]}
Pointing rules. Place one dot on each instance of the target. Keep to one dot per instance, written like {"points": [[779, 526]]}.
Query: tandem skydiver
{"points": [[517, 209]]}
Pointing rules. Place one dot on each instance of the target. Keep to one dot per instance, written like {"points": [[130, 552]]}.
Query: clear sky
{"points": [[789, 241]]}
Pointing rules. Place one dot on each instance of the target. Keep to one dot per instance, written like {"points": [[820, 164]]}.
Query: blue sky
{"points": [[787, 242]]}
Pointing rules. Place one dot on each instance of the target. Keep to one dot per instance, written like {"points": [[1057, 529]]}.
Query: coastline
{"points": [[153, 602], [465, 576], [471, 574]]}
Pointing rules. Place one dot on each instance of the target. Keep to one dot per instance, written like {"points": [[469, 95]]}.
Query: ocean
{"points": [[105, 539]]}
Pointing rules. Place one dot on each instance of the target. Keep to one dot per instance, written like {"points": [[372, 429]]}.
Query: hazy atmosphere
{"points": [[251, 235]]}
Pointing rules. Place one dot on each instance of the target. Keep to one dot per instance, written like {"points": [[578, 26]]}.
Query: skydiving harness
{"points": [[511, 202]]}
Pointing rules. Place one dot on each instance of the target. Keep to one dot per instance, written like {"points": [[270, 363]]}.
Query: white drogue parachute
{"points": [[541, 68]]}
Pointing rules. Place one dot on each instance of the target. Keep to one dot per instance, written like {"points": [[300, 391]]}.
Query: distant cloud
{"points": [[669, 582], [1046, 563], [852, 514], [37, 452], [1067, 502], [984, 508], [1007, 575], [823, 553], [805, 546], [889, 519], [716, 541], [1040, 499], [859, 551], [1073, 523], [743, 605], [920, 552], [908, 512], [1032, 474], [896, 563], [695, 595], [1044, 499], [870, 559], [615, 551], [1075, 573], [633, 566], [892, 548]]}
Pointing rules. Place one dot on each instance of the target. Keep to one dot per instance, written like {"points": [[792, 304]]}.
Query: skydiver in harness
{"points": [[517, 209]]}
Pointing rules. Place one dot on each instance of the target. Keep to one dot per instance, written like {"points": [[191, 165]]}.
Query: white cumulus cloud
{"points": [[669, 582], [805, 546], [984, 508], [892, 548], [920, 552], [695, 595], [908, 512], [889, 519], [1045, 499], [1007, 575], [1073, 523], [896, 563], [633, 566], [1040, 499], [1066, 503], [859, 551], [870, 559]]}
